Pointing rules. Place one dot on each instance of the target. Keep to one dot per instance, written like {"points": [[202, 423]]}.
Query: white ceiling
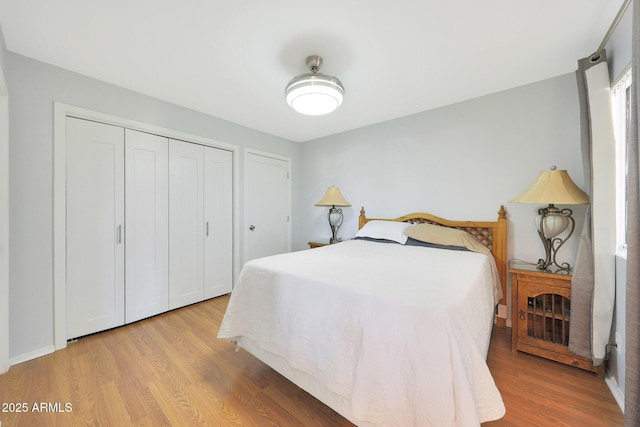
{"points": [[232, 58]]}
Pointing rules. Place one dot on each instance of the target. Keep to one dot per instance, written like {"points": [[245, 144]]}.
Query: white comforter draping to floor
{"points": [[400, 333]]}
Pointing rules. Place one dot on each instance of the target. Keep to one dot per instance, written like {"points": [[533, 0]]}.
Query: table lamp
{"points": [[334, 198], [553, 187]]}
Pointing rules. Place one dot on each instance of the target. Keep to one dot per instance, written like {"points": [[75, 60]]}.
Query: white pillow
{"points": [[388, 230]]}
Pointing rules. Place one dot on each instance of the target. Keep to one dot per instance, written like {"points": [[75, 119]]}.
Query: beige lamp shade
{"points": [[333, 197], [553, 187]]}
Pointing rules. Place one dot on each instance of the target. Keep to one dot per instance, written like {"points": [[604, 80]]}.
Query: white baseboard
{"points": [[32, 355], [617, 393]]}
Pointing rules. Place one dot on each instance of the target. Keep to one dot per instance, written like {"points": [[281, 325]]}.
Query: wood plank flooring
{"points": [[170, 370], [540, 392]]}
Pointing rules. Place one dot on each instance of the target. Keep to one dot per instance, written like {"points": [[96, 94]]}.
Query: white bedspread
{"points": [[400, 332]]}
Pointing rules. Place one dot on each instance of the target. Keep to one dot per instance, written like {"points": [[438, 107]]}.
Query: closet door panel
{"points": [[147, 225], [218, 222], [95, 219], [186, 228]]}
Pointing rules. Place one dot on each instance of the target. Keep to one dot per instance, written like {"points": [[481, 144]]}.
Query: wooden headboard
{"points": [[492, 234]]}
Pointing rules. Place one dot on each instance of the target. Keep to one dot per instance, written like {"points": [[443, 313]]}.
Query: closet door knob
{"points": [[252, 227]]}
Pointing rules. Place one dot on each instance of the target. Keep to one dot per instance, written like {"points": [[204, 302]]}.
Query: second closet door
{"points": [[147, 225], [200, 223], [186, 224], [218, 240]]}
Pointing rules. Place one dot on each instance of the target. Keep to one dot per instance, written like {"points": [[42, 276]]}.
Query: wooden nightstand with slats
{"points": [[541, 315]]}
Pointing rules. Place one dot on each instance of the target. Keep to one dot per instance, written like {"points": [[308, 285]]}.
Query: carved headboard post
{"points": [[362, 219], [500, 256]]}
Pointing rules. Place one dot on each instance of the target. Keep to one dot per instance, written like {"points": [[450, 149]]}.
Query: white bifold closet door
{"points": [[95, 226], [200, 223], [218, 236], [147, 225], [186, 223]]}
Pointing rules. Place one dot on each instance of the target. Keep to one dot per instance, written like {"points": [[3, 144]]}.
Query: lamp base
{"points": [[335, 221], [552, 243]]}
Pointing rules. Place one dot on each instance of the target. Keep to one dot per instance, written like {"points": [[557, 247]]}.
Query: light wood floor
{"points": [[170, 370]]}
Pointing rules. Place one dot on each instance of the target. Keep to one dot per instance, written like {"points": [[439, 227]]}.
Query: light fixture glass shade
{"points": [[333, 197], [314, 93], [555, 187]]}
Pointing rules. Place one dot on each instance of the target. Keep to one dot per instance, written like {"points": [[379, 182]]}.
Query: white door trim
{"points": [[4, 226], [61, 111], [246, 220]]}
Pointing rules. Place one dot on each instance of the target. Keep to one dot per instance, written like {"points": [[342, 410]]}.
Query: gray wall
{"points": [[461, 162], [619, 46], [34, 86]]}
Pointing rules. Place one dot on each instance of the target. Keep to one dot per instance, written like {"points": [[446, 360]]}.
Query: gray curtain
{"points": [[632, 374], [583, 277], [593, 282]]}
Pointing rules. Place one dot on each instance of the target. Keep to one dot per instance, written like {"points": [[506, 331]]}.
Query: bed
{"points": [[386, 332]]}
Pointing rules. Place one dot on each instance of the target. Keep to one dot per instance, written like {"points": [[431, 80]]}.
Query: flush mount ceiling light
{"points": [[314, 93]]}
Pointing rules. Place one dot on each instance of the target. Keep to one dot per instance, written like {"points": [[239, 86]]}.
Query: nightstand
{"points": [[541, 314], [316, 244]]}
